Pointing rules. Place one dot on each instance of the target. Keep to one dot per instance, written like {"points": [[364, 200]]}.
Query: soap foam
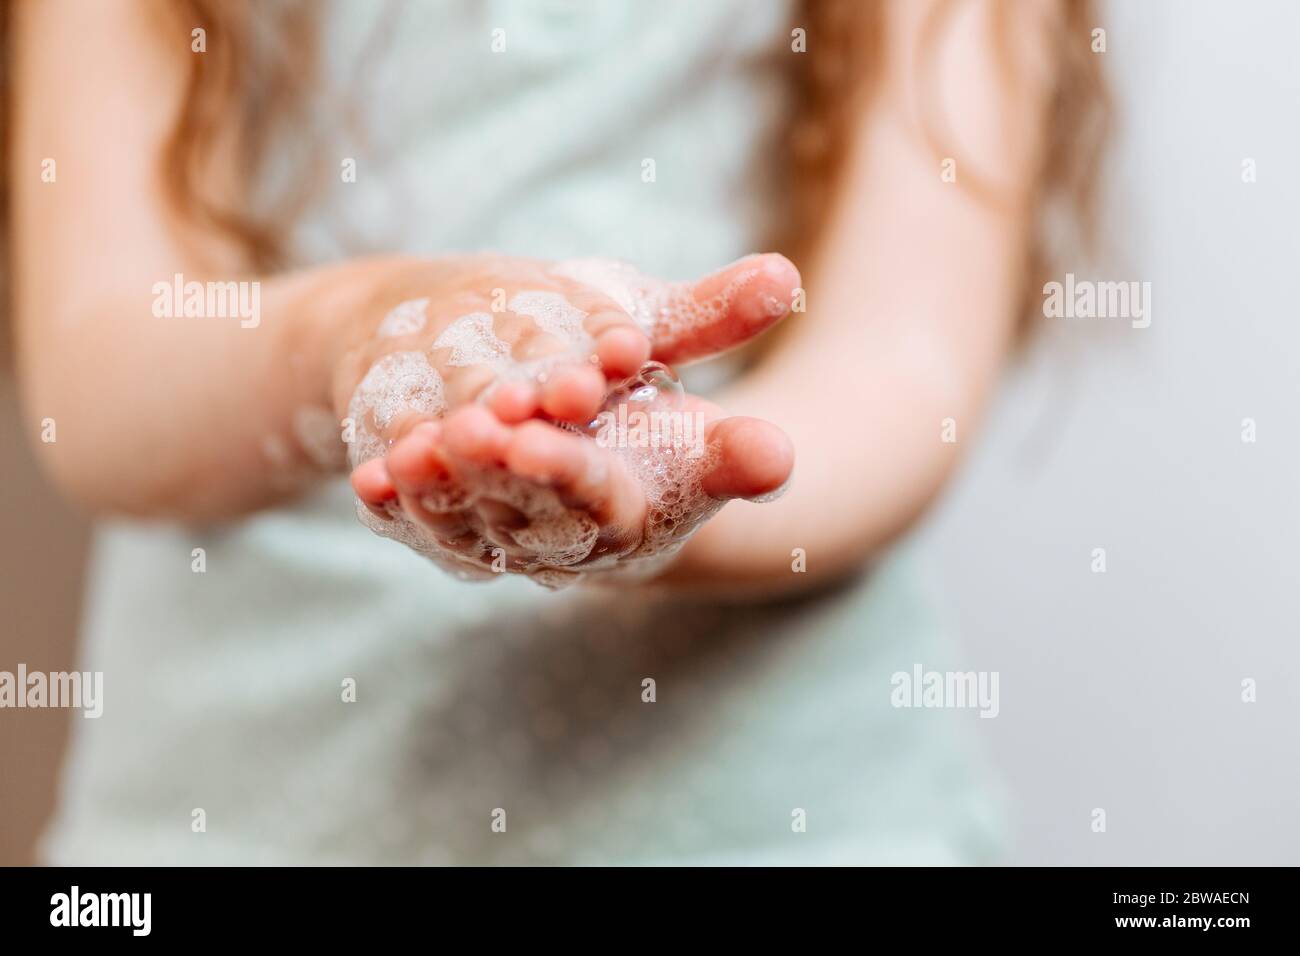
{"points": [[670, 469], [473, 341], [398, 382], [403, 530], [668, 312], [553, 313], [677, 504], [774, 494], [559, 541], [555, 579], [620, 281], [557, 535], [406, 319]]}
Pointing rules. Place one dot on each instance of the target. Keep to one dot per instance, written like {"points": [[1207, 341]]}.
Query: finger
{"points": [[464, 385], [622, 350], [423, 485], [583, 474], [621, 345], [374, 487], [573, 393], [413, 462], [474, 435], [724, 310], [513, 402], [751, 458]]}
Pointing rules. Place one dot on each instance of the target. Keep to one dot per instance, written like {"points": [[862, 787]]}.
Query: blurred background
{"points": [[1121, 690]]}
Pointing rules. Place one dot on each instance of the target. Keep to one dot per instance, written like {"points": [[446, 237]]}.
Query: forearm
{"points": [[879, 385], [871, 455], [187, 417], [140, 413], [879, 389], [911, 312]]}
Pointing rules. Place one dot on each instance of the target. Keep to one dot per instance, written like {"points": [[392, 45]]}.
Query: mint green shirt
{"points": [[500, 723]]}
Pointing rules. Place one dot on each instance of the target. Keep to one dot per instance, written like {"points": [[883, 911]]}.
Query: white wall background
{"points": [[1123, 690]]}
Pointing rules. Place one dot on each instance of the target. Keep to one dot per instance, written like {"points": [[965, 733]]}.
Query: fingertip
{"points": [[513, 402], [573, 394], [780, 269], [462, 386], [373, 485], [727, 308], [538, 452], [475, 434], [622, 351], [764, 291], [412, 459], [754, 458], [583, 477]]}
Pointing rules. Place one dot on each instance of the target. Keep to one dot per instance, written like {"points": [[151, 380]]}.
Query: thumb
{"points": [[752, 459], [689, 321], [723, 310]]}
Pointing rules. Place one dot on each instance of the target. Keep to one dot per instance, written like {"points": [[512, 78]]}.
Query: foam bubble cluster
{"points": [[398, 382], [546, 546], [553, 313], [407, 318], [473, 341], [668, 312], [670, 471], [530, 526], [508, 523], [555, 536]]}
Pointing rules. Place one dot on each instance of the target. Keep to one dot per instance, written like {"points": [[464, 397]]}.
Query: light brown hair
{"points": [[841, 78]]}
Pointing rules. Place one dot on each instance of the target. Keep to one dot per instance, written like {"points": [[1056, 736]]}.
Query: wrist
{"points": [[333, 312]]}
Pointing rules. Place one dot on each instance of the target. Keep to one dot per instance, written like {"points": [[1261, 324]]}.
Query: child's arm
{"points": [[205, 418], [911, 311], [151, 416]]}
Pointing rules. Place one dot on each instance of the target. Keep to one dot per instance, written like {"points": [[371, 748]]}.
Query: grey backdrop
{"points": [[1123, 690]]}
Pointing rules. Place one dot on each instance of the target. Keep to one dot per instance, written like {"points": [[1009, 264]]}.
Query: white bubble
{"points": [[553, 313], [406, 319], [666, 311], [398, 382], [473, 341]]}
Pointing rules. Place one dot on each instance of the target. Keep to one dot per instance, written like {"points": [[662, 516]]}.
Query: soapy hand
{"points": [[513, 421]]}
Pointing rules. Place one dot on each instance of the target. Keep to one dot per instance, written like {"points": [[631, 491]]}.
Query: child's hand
{"points": [[509, 333], [480, 495], [526, 477]]}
